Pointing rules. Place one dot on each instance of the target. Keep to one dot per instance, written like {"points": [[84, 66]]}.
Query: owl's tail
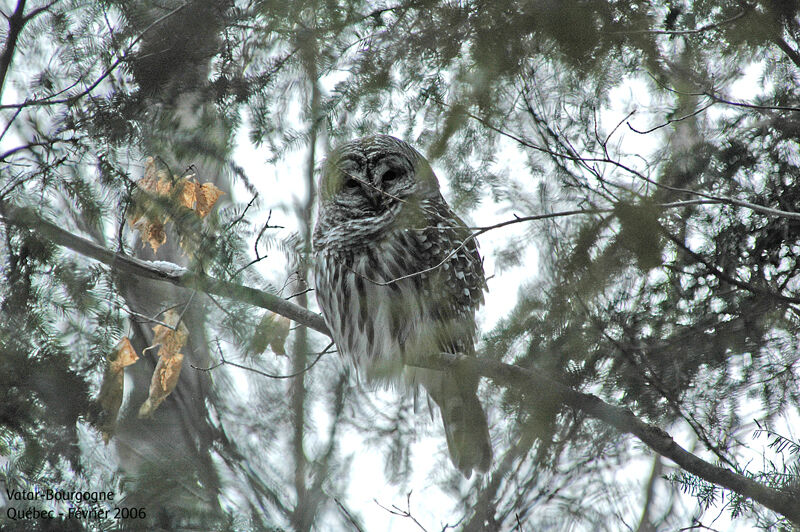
{"points": [[465, 426]]}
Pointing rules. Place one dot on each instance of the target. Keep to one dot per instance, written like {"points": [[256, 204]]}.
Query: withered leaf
{"points": [[154, 234], [123, 355], [112, 389], [272, 331], [149, 218], [170, 361], [163, 382], [207, 196], [187, 192], [169, 340]]}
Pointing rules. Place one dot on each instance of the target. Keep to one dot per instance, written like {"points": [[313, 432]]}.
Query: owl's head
{"points": [[375, 176]]}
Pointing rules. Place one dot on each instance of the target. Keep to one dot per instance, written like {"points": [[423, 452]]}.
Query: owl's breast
{"points": [[372, 314], [391, 301]]}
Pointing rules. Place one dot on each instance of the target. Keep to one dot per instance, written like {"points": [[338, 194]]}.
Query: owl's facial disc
{"points": [[373, 183]]}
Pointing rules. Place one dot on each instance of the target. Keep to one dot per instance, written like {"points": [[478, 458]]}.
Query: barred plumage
{"points": [[397, 278]]}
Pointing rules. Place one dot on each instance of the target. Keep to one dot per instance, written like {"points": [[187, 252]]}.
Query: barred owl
{"points": [[395, 281]]}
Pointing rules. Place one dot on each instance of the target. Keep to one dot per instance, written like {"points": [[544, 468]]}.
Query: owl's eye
{"points": [[390, 175], [350, 183]]}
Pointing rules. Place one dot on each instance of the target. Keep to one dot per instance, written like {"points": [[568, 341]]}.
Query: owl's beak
{"points": [[374, 195]]}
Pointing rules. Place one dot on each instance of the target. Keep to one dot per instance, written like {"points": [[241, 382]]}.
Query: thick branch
{"points": [[161, 271], [504, 374], [788, 50], [15, 24], [624, 421]]}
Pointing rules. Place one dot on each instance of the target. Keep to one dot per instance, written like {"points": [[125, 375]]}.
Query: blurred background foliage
{"points": [[675, 124]]}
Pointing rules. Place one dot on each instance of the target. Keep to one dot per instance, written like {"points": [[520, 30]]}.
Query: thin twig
{"points": [[307, 290], [10, 121], [148, 318], [370, 185], [670, 121], [185, 308], [258, 258], [224, 362], [396, 510], [516, 220], [746, 105], [347, 515], [241, 216]]}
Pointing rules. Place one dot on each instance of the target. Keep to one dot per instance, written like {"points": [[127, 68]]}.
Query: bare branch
{"points": [[516, 220], [347, 514], [788, 50], [8, 124], [150, 320], [16, 21], [162, 271], [670, 121], [396, 510], [623, 420], [745, 105], [224, 362]]}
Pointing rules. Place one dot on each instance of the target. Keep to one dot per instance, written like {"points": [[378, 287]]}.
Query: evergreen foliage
{"points": [[673, 292]]}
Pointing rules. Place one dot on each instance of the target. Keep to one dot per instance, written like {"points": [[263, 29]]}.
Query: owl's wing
{"points": [[454, 287]]}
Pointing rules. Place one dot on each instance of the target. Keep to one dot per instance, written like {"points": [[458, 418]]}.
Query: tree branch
{"points": [[788, 50], [162, 271], [504, 374], [16, 22], [624, 421]]}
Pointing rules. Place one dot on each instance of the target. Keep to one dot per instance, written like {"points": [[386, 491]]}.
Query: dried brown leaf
{"points": [[207, 196], [163, 382], [164, 185], [171, 341], [153, 233], [113, 387], [149, 180], [187, 195], [123, 355], [149, 219]]}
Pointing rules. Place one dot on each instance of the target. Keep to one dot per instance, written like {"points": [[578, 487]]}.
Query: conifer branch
{"points": [[507, 375], [622, 419], [160, 270]]}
